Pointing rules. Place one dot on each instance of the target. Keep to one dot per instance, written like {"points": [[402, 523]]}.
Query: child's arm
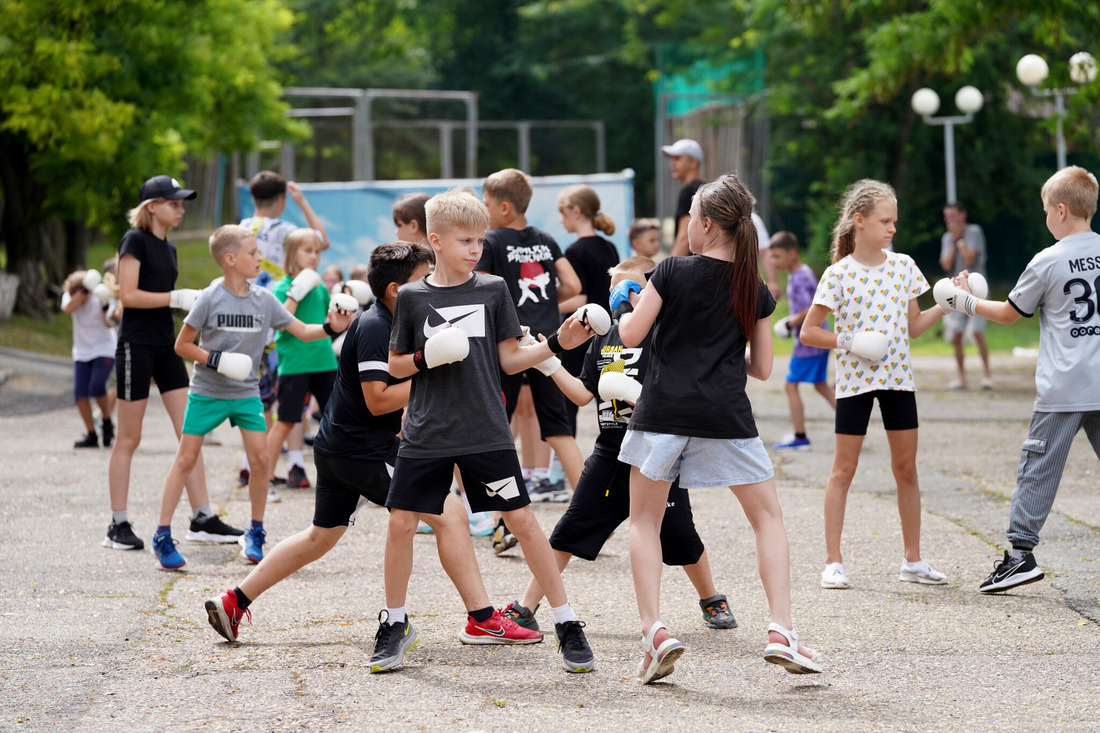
{"points": [[920, 321], [337, 322], [998, 311], [312, 219], [77, 299], [129, 267], [798, 318], [383, 398], [569, 284], [186, 346], [634, 326], [813, 332], [514, 358], [572, 387], [759, 356]]}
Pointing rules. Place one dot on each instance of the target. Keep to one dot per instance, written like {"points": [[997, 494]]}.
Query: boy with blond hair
{"points": [[453, 332], [1063, 282], [231, 318]]}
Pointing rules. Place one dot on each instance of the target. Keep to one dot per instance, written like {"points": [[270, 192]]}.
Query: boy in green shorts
{"points": [[231, 318]]}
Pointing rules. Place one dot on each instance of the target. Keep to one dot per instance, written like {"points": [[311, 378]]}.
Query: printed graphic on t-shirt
{"points": [[470, 318], [533, 277], [615, 414], [239, 322]]}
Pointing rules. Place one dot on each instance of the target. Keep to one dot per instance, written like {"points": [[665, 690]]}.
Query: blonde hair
{"points": [[1076, 188], [587, 200], [293, 242], [633, 267], [75, 282], [228, 240], [861, 198], [451, 210], [511, 185], [140, 217], [638, 227]]}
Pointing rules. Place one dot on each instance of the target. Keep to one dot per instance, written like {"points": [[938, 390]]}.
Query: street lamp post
{"points": [[926, 102], [1032, 69]]}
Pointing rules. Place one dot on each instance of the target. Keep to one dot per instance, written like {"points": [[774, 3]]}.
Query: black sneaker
{"points": [[121, 536], [91, 440], [390, 643], [242, 478], [212, 529], [547, 490], [503, 539], [1010, 572], [716, 613], [108, 432], [521, 615], [296, 478], [576, 655]]}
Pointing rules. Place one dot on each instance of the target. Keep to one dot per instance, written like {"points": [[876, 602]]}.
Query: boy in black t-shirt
{"points": [[530, 261], [601, 500], [453, 332]]}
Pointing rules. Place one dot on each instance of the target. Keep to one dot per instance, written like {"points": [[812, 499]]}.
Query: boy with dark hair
{"points": [[231, 318], [409, 218], [453, 332], [808, 363]]}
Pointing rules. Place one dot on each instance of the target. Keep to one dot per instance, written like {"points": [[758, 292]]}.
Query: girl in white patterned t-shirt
{"points": [[872, 293]]}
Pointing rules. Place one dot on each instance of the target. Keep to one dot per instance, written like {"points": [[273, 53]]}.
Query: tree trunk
{"points": [[21, 225]]}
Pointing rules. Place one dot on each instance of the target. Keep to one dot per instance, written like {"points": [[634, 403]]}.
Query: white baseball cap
{"points": [[684, 146]]}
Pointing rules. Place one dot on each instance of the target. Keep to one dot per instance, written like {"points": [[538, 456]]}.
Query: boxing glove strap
{"points": [[213, 359], [332, 332], [555, 345], [418, 360]]}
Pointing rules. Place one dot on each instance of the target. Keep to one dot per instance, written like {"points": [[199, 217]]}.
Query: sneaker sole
{"points": [[911, 578], [222, 539], [580, 668], [731, 624], [219, 621], [665, 667], [385, 665], [495, 640], [793, 666], [1033, 577], [836, 586], [111, 544], [555, 497], [168, 567]]}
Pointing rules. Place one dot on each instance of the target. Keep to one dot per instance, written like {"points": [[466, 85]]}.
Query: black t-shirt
{"points": [[683, 204], [695, 384], [525, 259], [348, 428], [152, 326], [613, 416], [591, 258]]}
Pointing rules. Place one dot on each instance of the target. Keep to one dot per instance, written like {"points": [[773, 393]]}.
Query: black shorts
{"points": [[601, 502], [493, 482], [293, 389], [138, 364], [344, 485], [548, 399], [898, 410]]}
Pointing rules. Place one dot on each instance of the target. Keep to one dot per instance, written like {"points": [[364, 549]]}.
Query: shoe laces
{"points": [[258, 534], [164, 543], [717, 608], [573, 636]]}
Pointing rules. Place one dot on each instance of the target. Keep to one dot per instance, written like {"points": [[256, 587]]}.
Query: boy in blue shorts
{"points": [[1063, 282], [808, 363], [231, 318], [453, 333], [601, 499]]}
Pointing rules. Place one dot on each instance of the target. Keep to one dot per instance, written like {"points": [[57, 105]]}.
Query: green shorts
{"points": [[203, 414]]}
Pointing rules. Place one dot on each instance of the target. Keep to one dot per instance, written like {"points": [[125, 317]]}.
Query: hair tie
{"points": [[742, 219]]}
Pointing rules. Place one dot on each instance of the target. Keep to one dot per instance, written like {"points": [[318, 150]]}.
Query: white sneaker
{"points": [[921, 572], [481, 524], [272, 494], [833, 576]]}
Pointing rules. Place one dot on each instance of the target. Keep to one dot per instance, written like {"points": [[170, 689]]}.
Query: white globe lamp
{"points": [[925, 102], [1082, 67], [969, 99], [1031, 70]]}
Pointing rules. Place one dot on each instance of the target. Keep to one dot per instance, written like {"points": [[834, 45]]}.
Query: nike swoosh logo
{"points": [[490, 632], [431, 329], [507, 488]]}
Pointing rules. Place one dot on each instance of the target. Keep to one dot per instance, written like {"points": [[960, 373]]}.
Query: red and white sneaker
{"points": [[225, 615], [497, 630]]}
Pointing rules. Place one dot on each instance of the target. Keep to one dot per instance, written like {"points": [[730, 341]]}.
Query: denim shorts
{"points": [[699, 462]]}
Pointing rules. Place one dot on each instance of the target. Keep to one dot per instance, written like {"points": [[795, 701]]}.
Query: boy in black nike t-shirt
{"points": [[453, 332]]}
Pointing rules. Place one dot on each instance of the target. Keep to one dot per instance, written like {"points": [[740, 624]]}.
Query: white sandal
{"points": [[788, 656], [662, 659]]}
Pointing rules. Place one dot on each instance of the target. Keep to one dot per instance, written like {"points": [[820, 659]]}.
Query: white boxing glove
{"points": [[344, 302], [102, 294], [978, 285], [596, 316], [338, 343], [231, 364], [92, 278], [618, 386], [949, 298], [546, 366], [782, 328], [356, 288], [183, 299], [445, 347], [864, 344], [300, 286]]}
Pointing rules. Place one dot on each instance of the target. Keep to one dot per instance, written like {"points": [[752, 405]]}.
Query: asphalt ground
{"points": [[96, 639]]}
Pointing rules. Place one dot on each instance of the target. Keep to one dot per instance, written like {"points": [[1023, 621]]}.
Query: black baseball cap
{"points": [[163, 187]]}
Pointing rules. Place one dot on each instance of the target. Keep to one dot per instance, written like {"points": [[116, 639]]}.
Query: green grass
{"points": [[196, 270]]}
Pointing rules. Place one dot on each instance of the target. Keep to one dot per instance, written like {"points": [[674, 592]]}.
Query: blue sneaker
{"points": [[253, 543], [790, 442], [164, 547]]}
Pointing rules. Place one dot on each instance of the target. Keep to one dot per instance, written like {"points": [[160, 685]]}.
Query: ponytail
{"points": [[603, 223]]}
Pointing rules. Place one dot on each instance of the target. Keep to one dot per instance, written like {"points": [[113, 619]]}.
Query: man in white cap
{"points": [[684, 158]]}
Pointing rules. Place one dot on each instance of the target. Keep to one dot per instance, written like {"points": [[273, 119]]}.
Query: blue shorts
{"points": [[810, 369], [203, 414], [699, 462], [90, 377]]}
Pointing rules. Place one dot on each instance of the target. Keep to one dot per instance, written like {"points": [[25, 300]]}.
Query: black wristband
{"points": [[332, 332], [213, 359], [418, 360], [555, 345]]}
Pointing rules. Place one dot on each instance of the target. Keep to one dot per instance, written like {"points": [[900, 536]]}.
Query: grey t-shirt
{"points": [[975, 240], [456, 409], [1063, 282], [229, 322]]}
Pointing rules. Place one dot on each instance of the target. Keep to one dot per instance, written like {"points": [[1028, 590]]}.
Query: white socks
{"points": [[563, 613], [395, 616], [294, 458]]}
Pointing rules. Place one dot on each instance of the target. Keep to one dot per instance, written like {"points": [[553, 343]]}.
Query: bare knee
{"points": [[402, 523]]}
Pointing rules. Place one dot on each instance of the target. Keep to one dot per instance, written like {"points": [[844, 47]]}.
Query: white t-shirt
{"points": [[866, 298], [764, 240], [1063, 282], [92, 338]]}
